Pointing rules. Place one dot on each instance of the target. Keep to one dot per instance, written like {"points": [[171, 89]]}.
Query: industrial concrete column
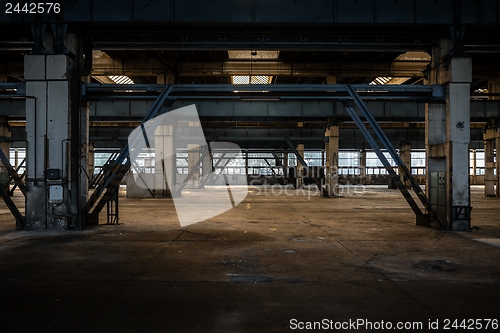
{"points": [[246, 165], [164, 142], [447, 138], [91, 160], [206, 168], [474, 167], [4, 134], [435, 124], [498, 161], [300, 168], [405, 153], [362, 164], [494, 88], [285, 166], [86, 151], [491, 168], [332, 153], [53, 150], [490, 142], [193, 157], [165, 79], [164, 161]]}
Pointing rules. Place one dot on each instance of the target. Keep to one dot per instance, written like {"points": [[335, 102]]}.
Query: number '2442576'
{"points": [[32, 8]]}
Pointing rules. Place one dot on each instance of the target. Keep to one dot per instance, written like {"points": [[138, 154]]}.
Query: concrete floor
{"points": [[271, 259]]}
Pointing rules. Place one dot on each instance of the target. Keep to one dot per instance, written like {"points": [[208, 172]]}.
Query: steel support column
{"points": [[300, 172], [405, 153], [362, 163], [4, 133], [285, 166], [448, 135], [498, 161], [332, 152], [206, 169], [53, 125], [458, 137], [164, 142], [193, 160], [491, 168]]}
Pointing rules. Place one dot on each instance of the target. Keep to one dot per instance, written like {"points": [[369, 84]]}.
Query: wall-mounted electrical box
{"points": [[55, 194], [52, 174], [437, 193]]}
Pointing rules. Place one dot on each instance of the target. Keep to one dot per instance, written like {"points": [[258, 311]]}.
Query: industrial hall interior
{"points": [[249, 165]]}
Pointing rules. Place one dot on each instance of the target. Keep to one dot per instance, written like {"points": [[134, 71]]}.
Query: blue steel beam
{"points": [[434, 90], [371, 141], [392, 151]]}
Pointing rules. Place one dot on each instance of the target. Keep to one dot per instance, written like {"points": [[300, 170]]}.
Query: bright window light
{"points": [[381, 80], [121, 79], [254, 79]]}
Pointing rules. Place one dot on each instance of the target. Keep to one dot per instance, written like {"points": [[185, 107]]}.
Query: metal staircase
{"points": [[109, 184], [429, 218], [4, 192], [98, 178]]}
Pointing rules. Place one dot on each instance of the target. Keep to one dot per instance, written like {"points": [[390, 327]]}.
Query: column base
{"points": [[423, 220], [36, 207]]}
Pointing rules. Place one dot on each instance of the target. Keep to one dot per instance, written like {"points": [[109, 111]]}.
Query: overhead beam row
{"points": [[262, 110]]}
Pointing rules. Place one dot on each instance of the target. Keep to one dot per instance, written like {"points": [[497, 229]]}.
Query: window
{"points": [[418, 163], [247, 79], [348, 163], [120, 79], [479, 162], [313, 158]]}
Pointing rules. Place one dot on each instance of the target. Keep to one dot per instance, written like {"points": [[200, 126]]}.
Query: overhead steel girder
{"points": [[271, 92], [221, 102], [152, 67], [282, 68], [434, 90], [220, 110], [148, 67]]}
